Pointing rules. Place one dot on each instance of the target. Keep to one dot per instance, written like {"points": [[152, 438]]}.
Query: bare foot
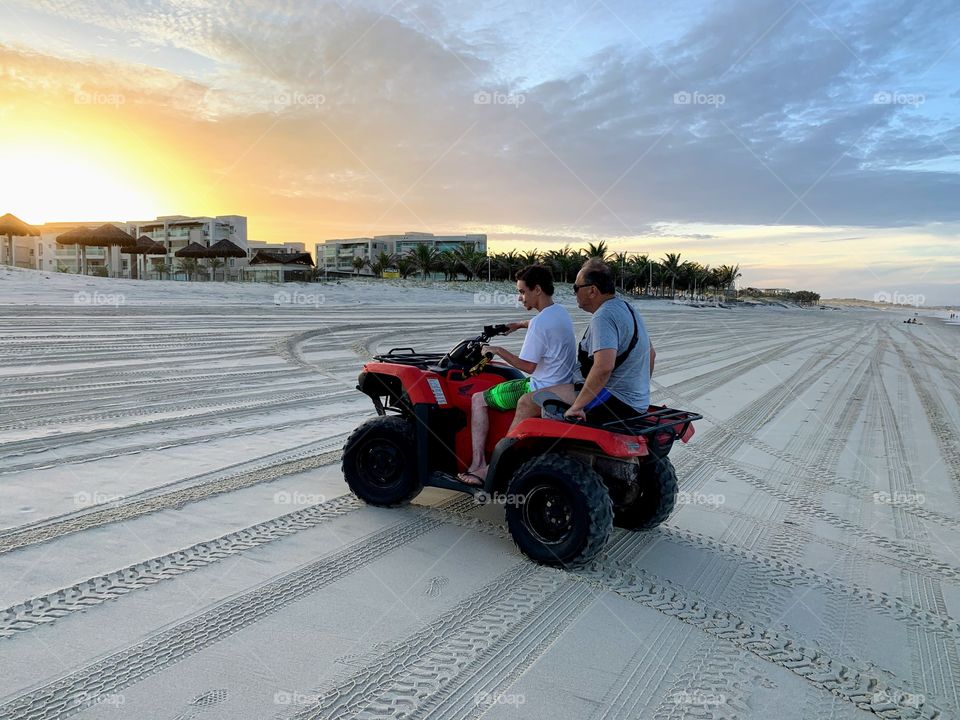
{"points": [[474, 477]]}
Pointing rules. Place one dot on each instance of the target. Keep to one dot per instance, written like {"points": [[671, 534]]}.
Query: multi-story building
{"points": [[178, 231], [175, 232], [99, 259], [338, 255], [31, 251], [275, 248]]}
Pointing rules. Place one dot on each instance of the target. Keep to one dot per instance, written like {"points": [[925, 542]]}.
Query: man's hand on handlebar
{"points": [[522, 324], [490, 349]]}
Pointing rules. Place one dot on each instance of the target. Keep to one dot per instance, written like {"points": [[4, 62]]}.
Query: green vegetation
{"points": [[635, 273]]}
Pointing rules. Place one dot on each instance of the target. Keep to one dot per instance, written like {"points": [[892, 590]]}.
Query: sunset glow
{"points": [[836, 172]]}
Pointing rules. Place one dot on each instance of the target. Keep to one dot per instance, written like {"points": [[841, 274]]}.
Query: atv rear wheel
{"points": [[379, 463], [658, 494], [562, 514]]}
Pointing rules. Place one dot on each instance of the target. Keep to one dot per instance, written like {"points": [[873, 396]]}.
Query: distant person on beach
{"points": [[548, 355], [616, 356]]}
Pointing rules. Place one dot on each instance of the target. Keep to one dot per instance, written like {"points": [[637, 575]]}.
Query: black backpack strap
{"points": [[586, 360], [633, 342]]}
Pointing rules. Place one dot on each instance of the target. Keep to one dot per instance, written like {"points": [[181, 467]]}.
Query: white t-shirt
{"points": [[552, 345]]}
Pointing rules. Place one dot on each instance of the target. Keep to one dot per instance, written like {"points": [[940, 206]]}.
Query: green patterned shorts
{"points": [[506, 395]]}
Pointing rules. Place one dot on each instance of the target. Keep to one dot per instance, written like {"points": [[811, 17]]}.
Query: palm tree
{"points": [[639, 270], [471, 262], [727, 275], [659, 277], [405, 266], [383, 261], [619, 266], [162, 268], [562, 262], [448, 263], [424, 259], [189, 266], [671, 266], [510, 263], [215, 264], [358, 264], [599, 251], [531, 257]]}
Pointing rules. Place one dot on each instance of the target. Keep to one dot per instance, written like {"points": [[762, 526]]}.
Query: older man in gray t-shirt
{"points": [[613, 326], [615, 354]]}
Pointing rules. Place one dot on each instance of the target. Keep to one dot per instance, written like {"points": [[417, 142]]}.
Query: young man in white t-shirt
{"points": [[548, 355]]}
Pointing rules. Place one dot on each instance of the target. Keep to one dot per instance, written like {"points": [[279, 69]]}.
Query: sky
{"points": [[815, 144]]}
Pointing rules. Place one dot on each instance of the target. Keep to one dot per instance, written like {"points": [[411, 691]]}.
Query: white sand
{"points": [[176, 539]]}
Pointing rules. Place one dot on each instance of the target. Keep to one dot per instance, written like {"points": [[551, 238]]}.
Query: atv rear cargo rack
{"points": [[661, 427], [409, 356]]}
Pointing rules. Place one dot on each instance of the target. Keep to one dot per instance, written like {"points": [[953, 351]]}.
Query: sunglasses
{"points": [[578, 288]]}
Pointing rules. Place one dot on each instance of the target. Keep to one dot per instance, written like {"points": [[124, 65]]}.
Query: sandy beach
{"points": [[177, 541]]}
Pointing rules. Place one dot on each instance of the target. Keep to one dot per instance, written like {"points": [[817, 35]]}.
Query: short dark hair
{"points": [[598, 273], [537, 276]]}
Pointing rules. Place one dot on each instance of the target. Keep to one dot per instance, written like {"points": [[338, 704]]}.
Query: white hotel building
{"points": [[337, 255], [174, 232]]}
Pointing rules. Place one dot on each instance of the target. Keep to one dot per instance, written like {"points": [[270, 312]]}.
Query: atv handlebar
{"points": [[465, 356], [490, 331]]}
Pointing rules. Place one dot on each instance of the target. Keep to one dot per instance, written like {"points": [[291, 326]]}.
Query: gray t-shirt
{"points": [[612, 327]]}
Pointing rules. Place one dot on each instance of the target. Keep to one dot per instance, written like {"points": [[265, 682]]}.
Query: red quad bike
{"points": [[565, 484]]}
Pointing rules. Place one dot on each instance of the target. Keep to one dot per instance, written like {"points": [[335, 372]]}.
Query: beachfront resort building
{"points": [[277, 262], [32, 252], [337, 256], [178, 231], [174, 232]]}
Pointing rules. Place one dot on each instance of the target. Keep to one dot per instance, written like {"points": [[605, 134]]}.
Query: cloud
{"points": [[609, 121]]}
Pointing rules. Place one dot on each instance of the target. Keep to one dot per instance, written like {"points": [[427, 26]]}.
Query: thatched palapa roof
{"points": [[193, 250], [103, 236], [268, 258], [226, 249], [13, 226], [107, 235], [143, 246], [74, 237]]}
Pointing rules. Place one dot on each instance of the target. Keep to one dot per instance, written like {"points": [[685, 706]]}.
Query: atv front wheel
{"points": [[379, 463], [658, 494], [561, 513]]}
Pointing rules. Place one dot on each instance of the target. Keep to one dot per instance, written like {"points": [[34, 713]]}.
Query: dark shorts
{"points": [[606, 408]]}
